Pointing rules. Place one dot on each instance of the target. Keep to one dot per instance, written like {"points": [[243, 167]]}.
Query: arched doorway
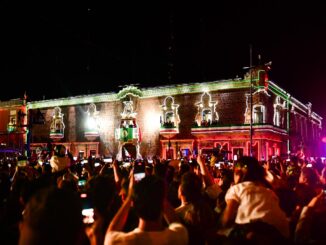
{"points": [[129, 151]]}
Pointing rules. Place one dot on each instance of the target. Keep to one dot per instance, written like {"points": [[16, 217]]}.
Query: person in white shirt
{"points": [[59, 161], [253, 207]]}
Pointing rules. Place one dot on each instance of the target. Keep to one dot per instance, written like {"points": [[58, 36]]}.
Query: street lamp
{"points": [[250, 100], [251, 67]]}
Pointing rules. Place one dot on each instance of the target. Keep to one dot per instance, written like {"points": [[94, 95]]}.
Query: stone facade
{"points": [[180, 120]]}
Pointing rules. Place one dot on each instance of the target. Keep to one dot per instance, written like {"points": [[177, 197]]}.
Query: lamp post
{"points": [[265, 67], [250, 91], [250, 99]]}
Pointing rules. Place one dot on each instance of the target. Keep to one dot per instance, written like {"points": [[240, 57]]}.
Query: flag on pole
{"points": [[139, 135]]}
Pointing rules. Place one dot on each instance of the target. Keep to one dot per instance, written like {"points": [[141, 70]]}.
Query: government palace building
{"points": [[171, 121]]}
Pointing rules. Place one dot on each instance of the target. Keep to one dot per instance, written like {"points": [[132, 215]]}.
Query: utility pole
{"points": [[250, 91]]}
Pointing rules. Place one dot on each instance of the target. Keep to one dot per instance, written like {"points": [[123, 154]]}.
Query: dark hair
{"points": [[311, 175], [148, 197], [57, 150], [249, 169], [184, 168], [54, 215], [191, 186], [102, 191]]}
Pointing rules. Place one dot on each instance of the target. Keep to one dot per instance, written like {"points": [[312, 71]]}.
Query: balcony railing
{"points": [[168, 129], [219, 128]]}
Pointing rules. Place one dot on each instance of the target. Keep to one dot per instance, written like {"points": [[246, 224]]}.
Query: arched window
{"points": [[278, 112], [170, 117], [206, 115], [258, 114], [57, 126]]}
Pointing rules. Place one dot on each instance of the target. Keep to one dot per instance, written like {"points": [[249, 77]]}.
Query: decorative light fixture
{"points": [[91, 123], [57, 126]]}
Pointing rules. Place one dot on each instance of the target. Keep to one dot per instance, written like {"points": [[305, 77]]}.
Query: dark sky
{"points": [[51, 49]]}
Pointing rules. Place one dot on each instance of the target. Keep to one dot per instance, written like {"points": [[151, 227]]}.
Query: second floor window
{"points": [[259, 114]]}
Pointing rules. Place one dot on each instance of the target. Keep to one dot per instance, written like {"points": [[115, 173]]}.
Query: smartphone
{"points": [[217, 165], [97, 164], [109, 160], [150, 161], [139, 176], [83, 195], [22, 163], [309, 165], [126, 164], [82, 182], [139, 171], [88, 215]]}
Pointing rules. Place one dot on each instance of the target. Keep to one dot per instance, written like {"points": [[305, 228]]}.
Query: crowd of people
{"points": [[55, 199]]}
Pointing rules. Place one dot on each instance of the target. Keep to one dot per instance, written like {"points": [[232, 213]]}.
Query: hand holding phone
{"points": [[82, 182], [107, 160], [139, 171], [139, 176]]}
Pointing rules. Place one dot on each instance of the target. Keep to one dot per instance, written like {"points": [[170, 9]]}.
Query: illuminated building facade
{"points": [[179, 120], [13, 124]]}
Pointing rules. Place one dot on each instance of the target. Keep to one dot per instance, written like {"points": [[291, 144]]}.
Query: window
{"points": [[277, 117], [206, 115], [278, 111], [12, 121], [57, 126], [169, 117], [259, 114]]}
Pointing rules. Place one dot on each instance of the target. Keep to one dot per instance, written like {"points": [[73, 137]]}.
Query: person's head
{"points": [[102, 191], [51, 216], [46, 168], [308, 176], [248, 169], [148, 196], [67, 181], [183, 168], [190, 187], [226, 179], [60, 150]]}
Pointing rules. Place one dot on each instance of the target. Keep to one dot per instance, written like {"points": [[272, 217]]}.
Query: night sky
{"points": [[50, 49]]}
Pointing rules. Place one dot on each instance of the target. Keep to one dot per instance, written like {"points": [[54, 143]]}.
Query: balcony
{"points": [[91, 134], [233, 128], [56, 135], [168, 130]]}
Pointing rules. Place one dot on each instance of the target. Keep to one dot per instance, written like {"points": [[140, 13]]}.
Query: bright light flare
{"points": [[152, 121], [91, 123], [323, 139]]}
